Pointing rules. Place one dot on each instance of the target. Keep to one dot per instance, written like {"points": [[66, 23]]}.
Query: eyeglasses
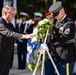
{"points": [[11, 14]]}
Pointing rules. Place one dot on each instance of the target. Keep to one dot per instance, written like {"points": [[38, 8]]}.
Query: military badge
{"points": [[67, 31], [61, 30]]}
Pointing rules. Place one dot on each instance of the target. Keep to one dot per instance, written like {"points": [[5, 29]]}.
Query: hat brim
{"points": [[55, 14]]}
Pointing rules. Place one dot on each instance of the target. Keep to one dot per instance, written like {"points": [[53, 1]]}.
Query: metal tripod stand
{"points": [[42, 52]]}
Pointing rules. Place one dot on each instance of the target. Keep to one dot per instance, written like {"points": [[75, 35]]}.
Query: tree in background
{"points": [[31, 6]]}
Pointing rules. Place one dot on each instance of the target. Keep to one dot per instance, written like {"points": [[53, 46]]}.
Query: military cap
{"points": [[38, 14], [23, 14], [55, 8]]}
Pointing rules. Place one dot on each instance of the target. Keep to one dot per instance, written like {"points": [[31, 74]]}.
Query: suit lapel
{"points": [[6, 24]]}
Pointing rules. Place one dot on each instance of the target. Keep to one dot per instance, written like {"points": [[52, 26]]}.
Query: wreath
{"points": [[34, 43]]}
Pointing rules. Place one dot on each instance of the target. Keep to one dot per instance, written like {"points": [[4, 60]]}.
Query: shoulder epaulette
{"points": [[70, 22]]}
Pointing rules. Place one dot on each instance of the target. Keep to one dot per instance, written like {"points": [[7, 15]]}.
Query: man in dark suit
{"points": [[62, 43], [6, 38], [13, 29]]}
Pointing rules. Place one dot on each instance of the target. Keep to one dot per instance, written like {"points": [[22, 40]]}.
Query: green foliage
{"points": [[70, 7], [42, 28], [42, 31], [31, 6]]}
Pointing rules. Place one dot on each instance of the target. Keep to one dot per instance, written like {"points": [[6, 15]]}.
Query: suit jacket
{"points": [[62, 43], [6, 40]]}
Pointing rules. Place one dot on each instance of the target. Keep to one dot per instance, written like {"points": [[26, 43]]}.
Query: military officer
{"points": [[37, 17], [62, 43], [23, 27]]}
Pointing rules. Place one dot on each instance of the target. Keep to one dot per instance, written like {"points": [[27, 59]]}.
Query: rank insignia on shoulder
{"points": [[67, 31]]}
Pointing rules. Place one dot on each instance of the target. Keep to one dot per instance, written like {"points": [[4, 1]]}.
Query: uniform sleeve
{"points": [[8, 33], [66, 37]]}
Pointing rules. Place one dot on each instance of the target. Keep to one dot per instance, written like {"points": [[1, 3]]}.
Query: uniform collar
{"points": [[63, 17]]}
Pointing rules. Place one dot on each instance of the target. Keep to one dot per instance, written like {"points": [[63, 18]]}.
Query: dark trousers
{"points": [[4, 68], [11, 64], [66, 70], [22, 50], [49, 69], [62, 68]]}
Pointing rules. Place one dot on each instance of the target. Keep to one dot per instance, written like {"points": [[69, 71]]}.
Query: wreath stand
{"points": [[42, 52]]}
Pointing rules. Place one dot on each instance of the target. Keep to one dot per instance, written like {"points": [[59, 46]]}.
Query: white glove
{"points": [[44, 47]]}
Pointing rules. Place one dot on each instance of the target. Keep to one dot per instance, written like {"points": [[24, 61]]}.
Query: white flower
{"points": [[35, 30], [41, 22], [46, 20]]}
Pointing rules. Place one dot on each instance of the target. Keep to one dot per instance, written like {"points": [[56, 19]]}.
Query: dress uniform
{"points": [[23, 27], [62, 43], [37, 17]]}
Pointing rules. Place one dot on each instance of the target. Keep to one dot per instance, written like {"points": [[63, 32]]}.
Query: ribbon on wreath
{"points": [[30, 47]]}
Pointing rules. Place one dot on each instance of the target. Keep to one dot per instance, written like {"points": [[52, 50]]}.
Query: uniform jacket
{"points": [[6, 40], [62, 42], [24, 29]]}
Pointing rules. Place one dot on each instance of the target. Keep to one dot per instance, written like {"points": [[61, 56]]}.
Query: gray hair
{"points": [[7, 8]]}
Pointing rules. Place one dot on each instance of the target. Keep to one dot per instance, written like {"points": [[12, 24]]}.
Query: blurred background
{"points": [[31, 6]]}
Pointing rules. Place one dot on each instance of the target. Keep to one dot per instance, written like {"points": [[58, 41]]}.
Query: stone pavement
{"points": [[21, 72], [15, 71]]}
